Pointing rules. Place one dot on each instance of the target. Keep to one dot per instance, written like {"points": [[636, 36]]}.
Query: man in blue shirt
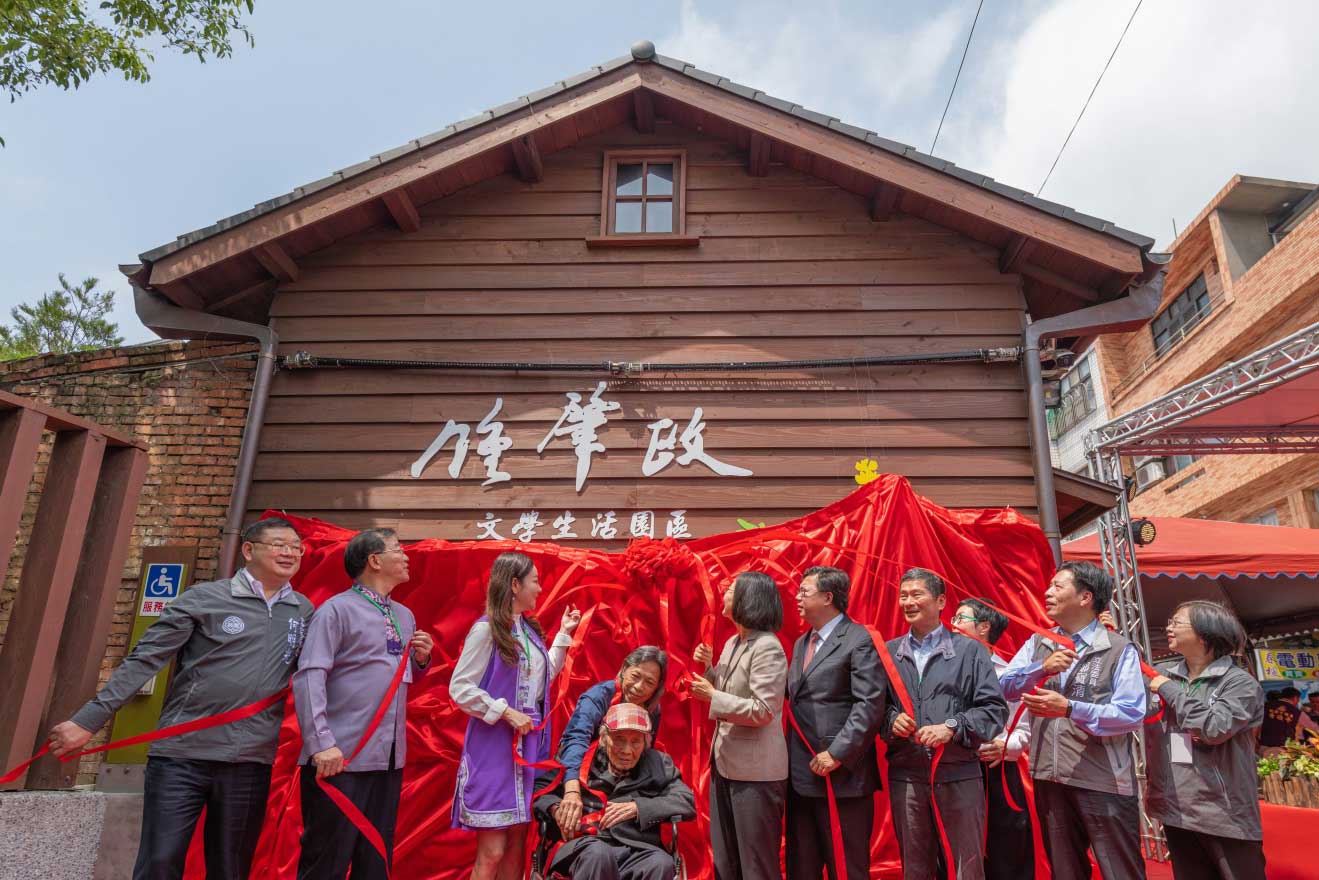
{"points": [[1084, 705]]}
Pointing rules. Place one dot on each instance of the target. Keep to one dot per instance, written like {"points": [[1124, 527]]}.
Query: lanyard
{"points": [[389, 616]]}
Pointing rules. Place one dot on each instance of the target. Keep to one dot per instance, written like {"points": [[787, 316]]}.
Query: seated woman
{"points": [[641, 679], [642, 788]]}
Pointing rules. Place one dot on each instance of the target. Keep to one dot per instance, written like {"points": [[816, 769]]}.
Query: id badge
{"points": [[1181, 748]]}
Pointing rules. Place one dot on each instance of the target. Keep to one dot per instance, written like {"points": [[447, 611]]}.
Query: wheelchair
{"points": [[548, 837]]}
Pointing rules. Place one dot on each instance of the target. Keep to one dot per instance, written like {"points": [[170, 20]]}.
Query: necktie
{"points": [[810, 649]]}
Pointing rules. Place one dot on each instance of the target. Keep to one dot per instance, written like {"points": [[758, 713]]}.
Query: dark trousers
{"points": [[1010, 849], [1073, 820], [590, 858], [330, 843], [234, 796], [962, 809], [810, 848], [1197, 856], [746, 825]]}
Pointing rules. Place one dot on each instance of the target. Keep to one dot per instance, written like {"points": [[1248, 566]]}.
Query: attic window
{"points": [[644, 198]]}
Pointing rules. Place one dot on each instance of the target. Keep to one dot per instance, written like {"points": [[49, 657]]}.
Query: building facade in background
{"points": [[1243, 275]]}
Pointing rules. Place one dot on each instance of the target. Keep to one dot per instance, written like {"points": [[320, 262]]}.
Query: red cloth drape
{"points": [[661, 592]]}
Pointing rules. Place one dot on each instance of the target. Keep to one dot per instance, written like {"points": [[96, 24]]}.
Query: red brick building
{"points": [[1244, 274], [188, 401]]}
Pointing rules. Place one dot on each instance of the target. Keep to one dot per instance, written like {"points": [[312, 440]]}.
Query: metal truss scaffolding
{"points": [[1168, 426]]}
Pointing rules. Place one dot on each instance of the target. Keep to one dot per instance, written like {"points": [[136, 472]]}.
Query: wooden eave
{"points": [[1066, 264]]}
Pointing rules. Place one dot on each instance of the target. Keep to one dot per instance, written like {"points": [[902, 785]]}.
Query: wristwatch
{"points": [[1069, 710], [952, 724]]}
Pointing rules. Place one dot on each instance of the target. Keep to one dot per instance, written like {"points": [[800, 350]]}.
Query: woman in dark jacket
{"points": [[1202, 777], [641, 680]]}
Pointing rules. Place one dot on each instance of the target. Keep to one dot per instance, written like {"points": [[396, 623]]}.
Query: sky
{"points": [[1198, 91]]}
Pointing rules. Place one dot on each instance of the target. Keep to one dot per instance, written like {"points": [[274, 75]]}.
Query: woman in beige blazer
{"points": [[749, 755]]}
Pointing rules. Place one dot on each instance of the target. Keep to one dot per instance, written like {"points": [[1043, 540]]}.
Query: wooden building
{"points": [[643, 213]]}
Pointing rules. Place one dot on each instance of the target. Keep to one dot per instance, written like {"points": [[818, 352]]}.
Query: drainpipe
{"points": [[172, 322], [1116, 316]]}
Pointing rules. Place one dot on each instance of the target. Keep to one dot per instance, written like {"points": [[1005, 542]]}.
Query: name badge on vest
{"points": [[1181, 748]]}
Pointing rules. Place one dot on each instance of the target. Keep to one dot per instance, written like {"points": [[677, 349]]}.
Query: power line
{"points": [[959, 75], [1092, 94]]}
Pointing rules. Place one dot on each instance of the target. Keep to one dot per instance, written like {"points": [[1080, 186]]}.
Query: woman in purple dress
{"points": [[502, 680]]}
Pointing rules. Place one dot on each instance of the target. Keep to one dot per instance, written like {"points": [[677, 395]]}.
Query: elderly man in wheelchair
{"points": [[643, 791]]}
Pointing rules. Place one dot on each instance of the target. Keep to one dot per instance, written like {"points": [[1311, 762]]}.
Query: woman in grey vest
{"points": [[1202, 779]]}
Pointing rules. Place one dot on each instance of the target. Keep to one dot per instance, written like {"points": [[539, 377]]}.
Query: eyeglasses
{"points": [[295, 549], [1174, 622], [391, 550], [969, 618]]}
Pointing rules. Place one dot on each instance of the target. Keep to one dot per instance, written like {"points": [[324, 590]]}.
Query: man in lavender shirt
{"points": [[354, 645]]}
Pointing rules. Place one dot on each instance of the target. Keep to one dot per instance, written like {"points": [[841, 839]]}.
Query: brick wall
{"points": [[188, 401], [1273, 299]]}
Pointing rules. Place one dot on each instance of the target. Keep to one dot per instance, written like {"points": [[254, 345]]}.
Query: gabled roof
{"points": [[1109, 256]]}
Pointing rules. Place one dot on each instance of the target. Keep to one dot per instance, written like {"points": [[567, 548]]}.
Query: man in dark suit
{"points": [[837, 694]]}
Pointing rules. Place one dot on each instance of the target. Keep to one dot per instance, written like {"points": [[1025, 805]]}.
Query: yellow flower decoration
{"points": [[867, 471]]}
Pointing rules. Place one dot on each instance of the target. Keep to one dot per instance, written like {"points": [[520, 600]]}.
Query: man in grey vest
{"points": [[234, 641], [1084, 706]]}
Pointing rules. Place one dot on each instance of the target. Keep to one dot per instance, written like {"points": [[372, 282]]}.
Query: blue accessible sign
{"points": [[160, 586]]}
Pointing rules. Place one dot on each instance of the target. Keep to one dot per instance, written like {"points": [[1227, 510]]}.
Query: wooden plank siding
{"points": [[788, 267]]}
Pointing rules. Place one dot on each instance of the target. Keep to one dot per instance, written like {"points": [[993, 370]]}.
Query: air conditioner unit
{"points": [[1150, 472]]}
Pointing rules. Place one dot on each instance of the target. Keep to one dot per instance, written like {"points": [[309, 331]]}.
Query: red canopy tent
{"points": [[1268, 575]]}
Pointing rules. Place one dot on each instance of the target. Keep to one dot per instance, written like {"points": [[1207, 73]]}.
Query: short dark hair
{"points": [[1288, 693], [257, 530], [756, 602], [648, 654], [1217, 627], [932, 581], [833, 581], [1093, 579], [986, 613], [362, 545]]}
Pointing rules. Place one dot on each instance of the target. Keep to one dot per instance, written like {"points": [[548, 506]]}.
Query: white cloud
{"points": [[1199, 91], [862, 69]]}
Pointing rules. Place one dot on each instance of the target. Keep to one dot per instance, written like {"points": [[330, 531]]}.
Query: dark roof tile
{"points": [[849, 130], [542, 94], [817, 118], [886, 144], [771, 101], [584, 76], [428, 139], [472, 121], [683, 67], [705, 77], [738, 89], [389, 155]]}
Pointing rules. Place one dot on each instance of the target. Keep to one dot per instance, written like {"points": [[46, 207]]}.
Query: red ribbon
{"points": [[341, 800], [162, 733]]}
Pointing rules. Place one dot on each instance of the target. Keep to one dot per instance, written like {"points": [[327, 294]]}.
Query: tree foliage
{"points": [[72, 318], [66, 42]]}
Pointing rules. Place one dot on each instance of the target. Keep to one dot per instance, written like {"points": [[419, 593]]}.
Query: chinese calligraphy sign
{"points": [[578, 426]]}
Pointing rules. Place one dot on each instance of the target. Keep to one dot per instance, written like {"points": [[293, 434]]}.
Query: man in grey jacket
{"points": [[959, 707], [235, 641], [1084, 705]]}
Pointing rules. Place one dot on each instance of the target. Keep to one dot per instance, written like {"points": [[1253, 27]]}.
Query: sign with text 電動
{"points": [[1287, 664]]}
